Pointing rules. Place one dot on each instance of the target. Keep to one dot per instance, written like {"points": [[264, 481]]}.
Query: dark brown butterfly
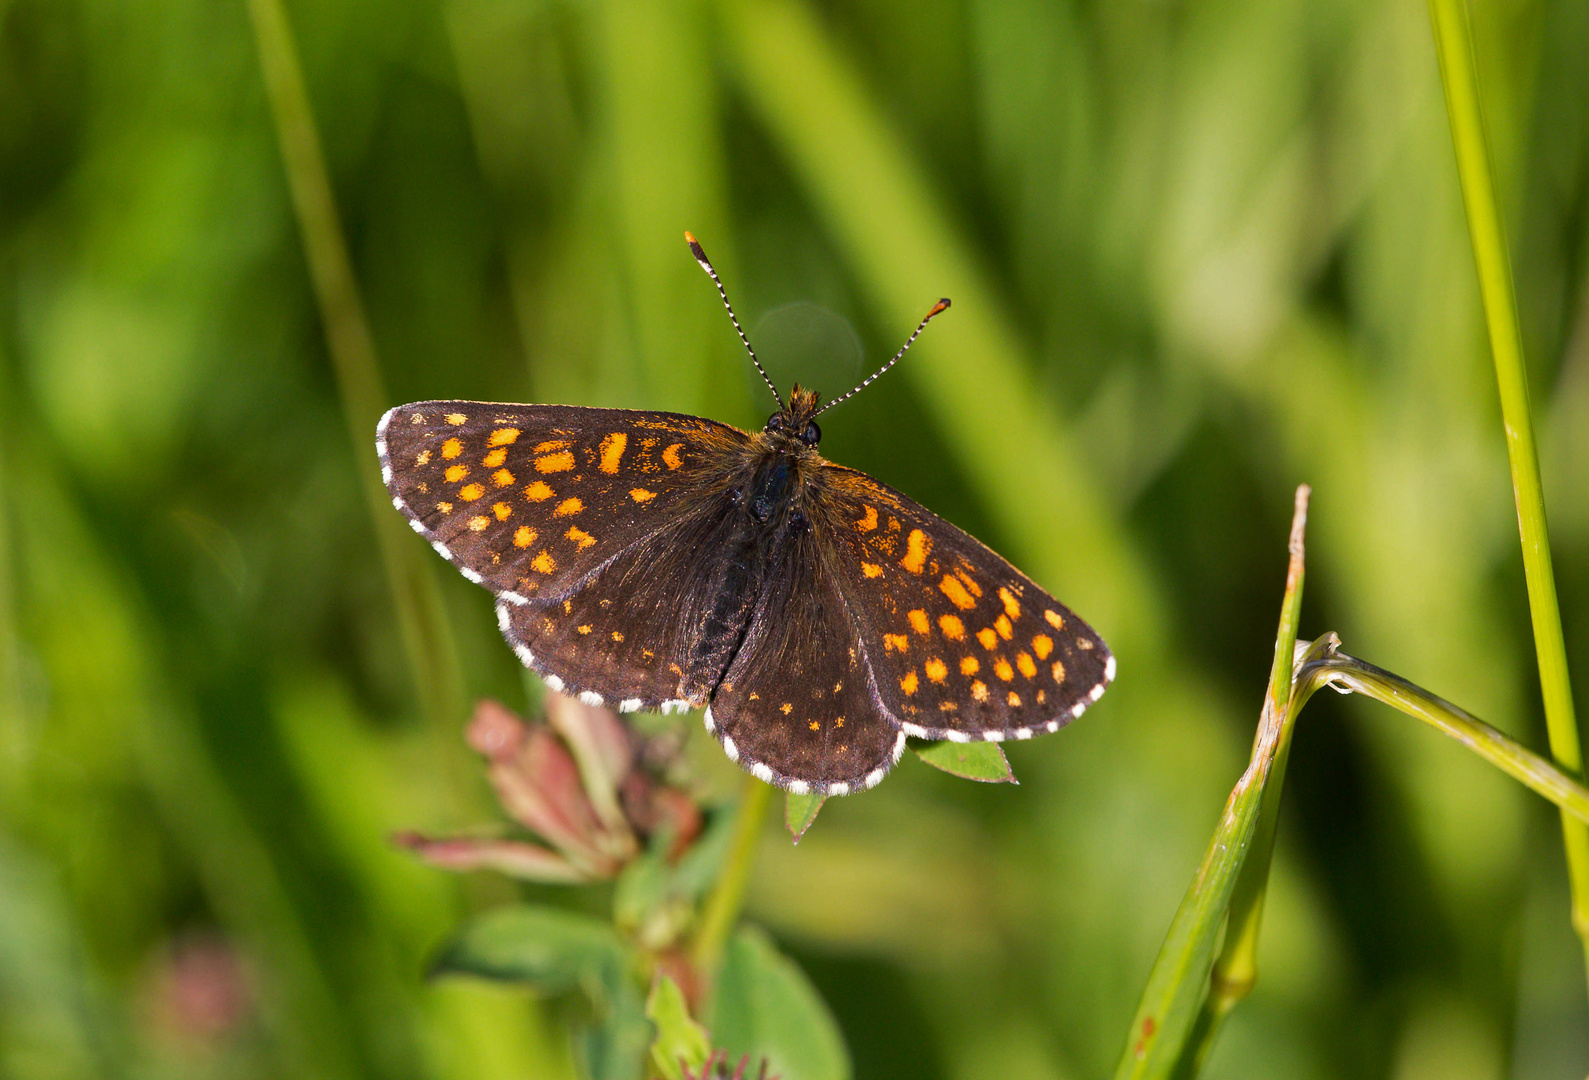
{"points": [[650, 560]]}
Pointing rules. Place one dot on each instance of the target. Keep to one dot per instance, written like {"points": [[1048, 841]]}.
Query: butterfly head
{"points": [[794, 423]]}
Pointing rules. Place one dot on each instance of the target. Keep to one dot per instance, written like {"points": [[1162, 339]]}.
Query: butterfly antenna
{"points": [[870, 379], [706, 264]]}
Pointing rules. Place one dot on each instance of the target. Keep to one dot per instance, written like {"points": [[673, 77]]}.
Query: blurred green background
{"points": [[1198, 253]]}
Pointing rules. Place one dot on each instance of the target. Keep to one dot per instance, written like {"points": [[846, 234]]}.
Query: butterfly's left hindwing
{"points": [[528, 500]]}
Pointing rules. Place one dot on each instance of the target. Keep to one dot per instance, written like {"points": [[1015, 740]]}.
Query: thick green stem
{"points": [[1454, 44], [427, 635], [722, 907]]}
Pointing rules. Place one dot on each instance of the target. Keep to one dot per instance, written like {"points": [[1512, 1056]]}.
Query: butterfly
{"points": [[658, 561]]}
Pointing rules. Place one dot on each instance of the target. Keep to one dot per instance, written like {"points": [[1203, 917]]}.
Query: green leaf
{"points": [[767, 1008], [983, 761], [558, 952], [678, 1037], [799, 811], [552, 950]]}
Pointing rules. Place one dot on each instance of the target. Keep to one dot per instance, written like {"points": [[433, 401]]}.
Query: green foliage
{"points": [[765, 1006], [799, 811], [983, 761], [681, 1042], [558, 952]]}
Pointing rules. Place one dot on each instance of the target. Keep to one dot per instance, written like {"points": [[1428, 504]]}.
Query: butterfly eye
{"points": [[812, 434], [775, 422]]}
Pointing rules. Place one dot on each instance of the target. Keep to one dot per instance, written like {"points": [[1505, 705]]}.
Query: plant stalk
{"points": [[1454, 44], [728, 896]]}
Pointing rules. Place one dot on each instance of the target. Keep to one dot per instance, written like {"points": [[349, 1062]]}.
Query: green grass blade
{"points": [[1344, 672], [426, 631], [1454, 44], [1236, 969], [1167, 1014]]}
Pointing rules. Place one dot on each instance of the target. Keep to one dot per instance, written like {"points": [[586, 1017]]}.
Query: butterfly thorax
{"points": [[783, 462]]}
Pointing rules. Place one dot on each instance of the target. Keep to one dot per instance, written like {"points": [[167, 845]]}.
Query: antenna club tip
{"points": [[689, 238], [941, 305]]}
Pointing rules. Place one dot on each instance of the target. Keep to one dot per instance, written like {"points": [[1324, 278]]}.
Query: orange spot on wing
{"points": [[1024, 662], [423, 458], [502, 510], [1002, 668], [968, 581], [670, 455], [616, 636], [952, 627], [1014, 699], [444, 507], [641, 495], [1002, 625], [868, 520], [503, 437], [969, 665], [1011, 607], [581, 537], [479, 522], [1058, 671], [871, 570], [1054, 620], [451, 449], [524, 536], [494, 458], [917, 545], [979, 690], [909, 683], [503, 478], [569, 506], [612, 448], [892, 642], [549, 447], [471, 492], [544, 562], [987, 637], [585, 629], [918, 621], [1042, 645], [786, 708], [455, 418], [936, 669], [539, 491], [559, 462], [957, 594], [814, 726]]}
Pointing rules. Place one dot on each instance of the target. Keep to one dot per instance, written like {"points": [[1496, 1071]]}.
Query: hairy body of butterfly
{"points": [[650, 560]]}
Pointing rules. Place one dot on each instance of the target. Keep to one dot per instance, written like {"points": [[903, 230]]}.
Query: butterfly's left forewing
{"points": [[588, 525], [961, 645], [528, 500]]}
